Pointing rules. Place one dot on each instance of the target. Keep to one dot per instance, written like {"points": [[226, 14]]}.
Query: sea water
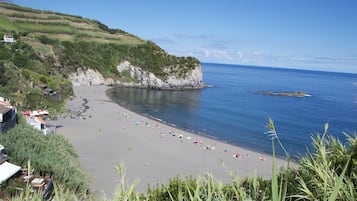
{"points": [[234, 110]]}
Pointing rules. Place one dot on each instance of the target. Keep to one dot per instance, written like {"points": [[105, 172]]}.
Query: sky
{"points": [[302, 34]]}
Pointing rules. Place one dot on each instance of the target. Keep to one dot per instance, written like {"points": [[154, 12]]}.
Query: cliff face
{"points": [[140, 78]]}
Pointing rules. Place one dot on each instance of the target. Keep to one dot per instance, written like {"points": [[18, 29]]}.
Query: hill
{"points": [[53, 50]]}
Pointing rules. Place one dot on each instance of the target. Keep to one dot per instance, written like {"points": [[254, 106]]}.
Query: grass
{"points": [[8, 25], [19, 18], [58, 29], [322, 178]]}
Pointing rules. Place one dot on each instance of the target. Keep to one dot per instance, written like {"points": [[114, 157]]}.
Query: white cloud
{"points": [[339, 64], [246, 57], [164, 41], [216, 54], [223, 52], [192, 36]]}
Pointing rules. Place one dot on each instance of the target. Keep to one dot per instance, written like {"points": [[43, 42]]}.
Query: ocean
{"points": [[233, 110]]}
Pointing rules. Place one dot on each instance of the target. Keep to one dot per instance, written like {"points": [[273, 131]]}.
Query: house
{"points": [[36, 119], [9, 39], [8, 117], [7, 170], [5, 113]]}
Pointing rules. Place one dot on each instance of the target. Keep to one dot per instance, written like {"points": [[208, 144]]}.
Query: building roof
{"points": [[41, 120], [4, 109], [7, 170]]}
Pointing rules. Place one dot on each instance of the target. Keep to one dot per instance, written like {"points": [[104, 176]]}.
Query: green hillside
{"points": [[50, 45], [60, 26]]}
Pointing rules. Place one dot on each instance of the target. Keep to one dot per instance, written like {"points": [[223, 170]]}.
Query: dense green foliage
{"points": [[23, 68], [47, 154], [152, 58], [23, 71], [105, 57]]}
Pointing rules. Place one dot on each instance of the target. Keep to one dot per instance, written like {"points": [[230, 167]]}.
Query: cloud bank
{"points": [[207, 48]]}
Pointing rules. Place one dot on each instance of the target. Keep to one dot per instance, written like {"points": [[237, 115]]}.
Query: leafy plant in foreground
{"points": [[320, 177], [278, 191]]}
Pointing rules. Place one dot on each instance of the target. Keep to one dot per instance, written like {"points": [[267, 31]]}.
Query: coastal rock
{"points": [[87, 77], [294, 94], [192, 79], [140, 78]]}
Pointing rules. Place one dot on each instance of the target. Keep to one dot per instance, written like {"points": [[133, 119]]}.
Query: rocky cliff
{"points": [[137, 77]]}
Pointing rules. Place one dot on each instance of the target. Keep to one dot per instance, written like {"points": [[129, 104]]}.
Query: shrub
{"points": [[47, 153]]}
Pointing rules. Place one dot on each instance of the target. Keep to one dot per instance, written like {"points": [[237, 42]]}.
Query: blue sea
{"points": [[231, 109]]}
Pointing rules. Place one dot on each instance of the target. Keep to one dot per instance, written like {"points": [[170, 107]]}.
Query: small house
{"points": [[35, 119], [5, 113], [9, 39], [8, 117], [7, 170]]}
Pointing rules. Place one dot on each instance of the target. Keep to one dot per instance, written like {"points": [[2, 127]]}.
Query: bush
{"points": [[47, 153]]}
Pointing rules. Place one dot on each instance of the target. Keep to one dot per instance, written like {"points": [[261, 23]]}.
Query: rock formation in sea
{"points": [[295, 94]]}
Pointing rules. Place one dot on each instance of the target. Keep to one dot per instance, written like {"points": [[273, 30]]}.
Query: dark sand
{"points": [[152, 151]]}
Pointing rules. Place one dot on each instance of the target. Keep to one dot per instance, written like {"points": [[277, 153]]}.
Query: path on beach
{"points": [[152, 151]]}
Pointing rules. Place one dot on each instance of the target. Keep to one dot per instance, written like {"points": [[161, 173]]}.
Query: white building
{"points": [[7, 169], [8, 117], [35, 119], [9, 39]]}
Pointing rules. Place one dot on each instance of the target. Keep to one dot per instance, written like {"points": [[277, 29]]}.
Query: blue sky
{"points": [[307, 34]]}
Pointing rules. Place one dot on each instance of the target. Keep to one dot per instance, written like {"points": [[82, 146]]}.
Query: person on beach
{"points": [[162, 134], [237, 156], [197, 141], [210, 147], [262, 158]]}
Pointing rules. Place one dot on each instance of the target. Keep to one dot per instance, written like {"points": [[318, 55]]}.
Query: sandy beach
{"points": [[152, 151]]}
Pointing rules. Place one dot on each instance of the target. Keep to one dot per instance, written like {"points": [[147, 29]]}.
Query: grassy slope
{"points": [[51, 45], [60, 26]]}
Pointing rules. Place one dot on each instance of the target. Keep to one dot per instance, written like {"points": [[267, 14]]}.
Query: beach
{"points": [[106, 134]]}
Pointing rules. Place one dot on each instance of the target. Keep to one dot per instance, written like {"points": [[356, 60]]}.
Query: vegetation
{"points": [[47, 154], [49, 46]]}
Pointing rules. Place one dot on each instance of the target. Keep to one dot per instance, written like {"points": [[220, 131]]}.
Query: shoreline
{"points": [[204, 135], [154, 151]]}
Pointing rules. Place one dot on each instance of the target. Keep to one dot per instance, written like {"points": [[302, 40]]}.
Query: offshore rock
{"points": [[294, 94]]}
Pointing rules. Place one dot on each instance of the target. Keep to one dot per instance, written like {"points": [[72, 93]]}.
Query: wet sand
{"points": [[107, 133]]}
